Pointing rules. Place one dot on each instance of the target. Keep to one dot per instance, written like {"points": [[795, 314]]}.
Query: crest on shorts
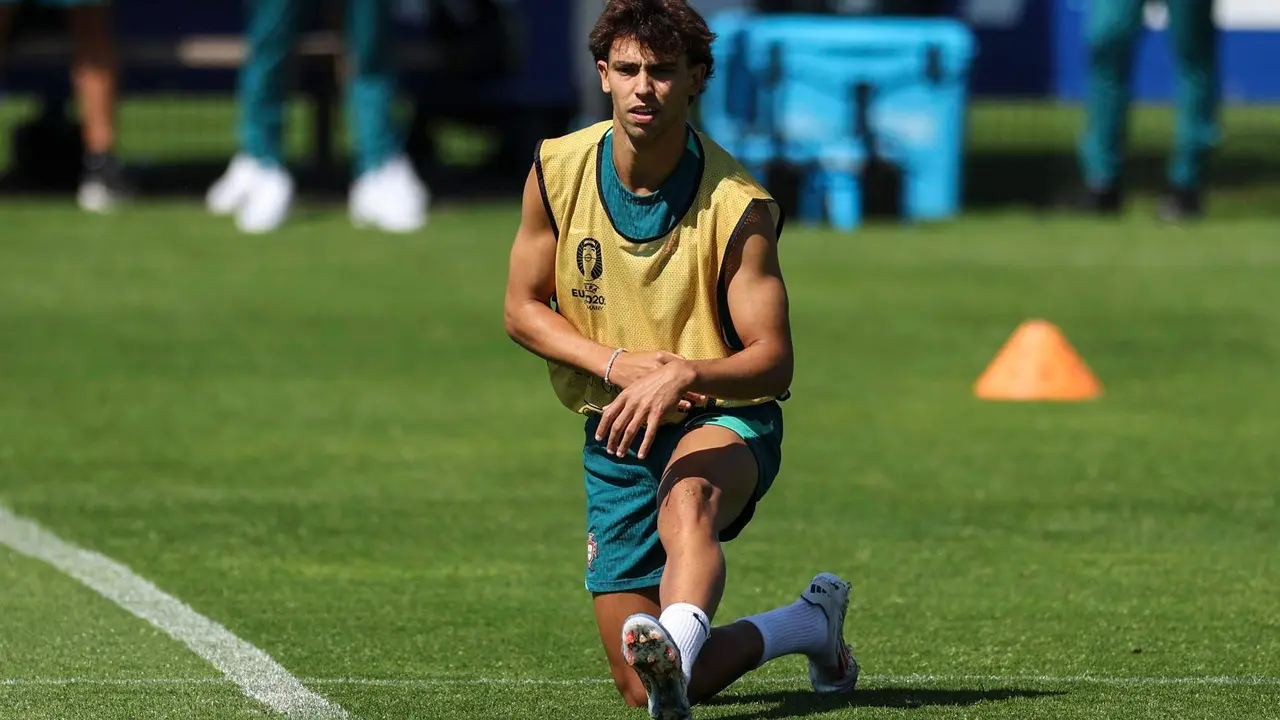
{"points": [[592, 551]]}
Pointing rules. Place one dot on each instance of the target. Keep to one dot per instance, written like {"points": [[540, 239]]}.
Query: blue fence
{"points": [[1036, 48]]}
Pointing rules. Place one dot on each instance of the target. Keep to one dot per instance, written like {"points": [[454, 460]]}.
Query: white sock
{"points": [[688, 627], [795, 628]]}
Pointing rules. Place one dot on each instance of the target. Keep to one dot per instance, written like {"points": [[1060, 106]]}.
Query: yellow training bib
{"points": [[643, 294]]}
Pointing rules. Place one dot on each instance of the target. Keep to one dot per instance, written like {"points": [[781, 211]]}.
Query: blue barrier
{"points": [[1037, 48], [830, 95], [1249, 52]]}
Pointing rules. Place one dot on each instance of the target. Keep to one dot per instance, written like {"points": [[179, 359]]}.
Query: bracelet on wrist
{"points": [[609, 367]]}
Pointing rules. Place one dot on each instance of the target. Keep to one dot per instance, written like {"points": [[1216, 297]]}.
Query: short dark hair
{"points": [[666, 28]]}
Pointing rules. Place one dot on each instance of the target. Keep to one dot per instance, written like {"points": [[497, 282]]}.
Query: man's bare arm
{"points": [[531, 281], [758, 305]]}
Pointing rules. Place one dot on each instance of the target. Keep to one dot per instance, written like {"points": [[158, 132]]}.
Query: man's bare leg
{"points": [[93, 73], [708, 483], [730, 652], [709, 480], [612, 609]]}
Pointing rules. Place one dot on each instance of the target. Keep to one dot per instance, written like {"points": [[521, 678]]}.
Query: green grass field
{"points": [[324, 441]]}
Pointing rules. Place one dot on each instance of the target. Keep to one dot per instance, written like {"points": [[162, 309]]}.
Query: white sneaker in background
{"points": [[95, 196], [390, 197], [102, 185], [231, 190], [270, 197]]}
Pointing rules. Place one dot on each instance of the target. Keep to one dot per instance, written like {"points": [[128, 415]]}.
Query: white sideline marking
{"points": [[879, 680], [258, 676]]}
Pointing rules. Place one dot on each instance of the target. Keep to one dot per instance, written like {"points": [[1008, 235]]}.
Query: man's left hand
{"points": [[643, 404]]}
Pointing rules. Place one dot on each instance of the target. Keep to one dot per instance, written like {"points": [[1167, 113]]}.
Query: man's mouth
{"points": [[642, 113]]}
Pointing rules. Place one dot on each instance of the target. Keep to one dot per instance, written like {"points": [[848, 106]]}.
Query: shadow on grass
{"points": [[799, 704]]}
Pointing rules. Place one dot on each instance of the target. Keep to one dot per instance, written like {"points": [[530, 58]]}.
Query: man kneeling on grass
{"points": [[645, 272]]}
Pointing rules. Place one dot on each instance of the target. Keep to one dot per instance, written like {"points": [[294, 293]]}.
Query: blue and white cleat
{"points": [[647, 648], [835, 670]]}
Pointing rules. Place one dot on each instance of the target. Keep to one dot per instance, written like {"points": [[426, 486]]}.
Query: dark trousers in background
{"points": [[371, 88], [1113, 28]]}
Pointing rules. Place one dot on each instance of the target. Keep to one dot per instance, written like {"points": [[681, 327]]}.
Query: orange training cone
{"points": [[1037, 363]]}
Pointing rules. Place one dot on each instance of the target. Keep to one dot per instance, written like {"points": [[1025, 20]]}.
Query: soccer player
{"points": [[645, 272], [93, 74], [257, 188], [1112, 31]]}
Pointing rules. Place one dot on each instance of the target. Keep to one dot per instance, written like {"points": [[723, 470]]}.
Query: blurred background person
{"points": [[93, 77], [257, 187], [1113, 28]]}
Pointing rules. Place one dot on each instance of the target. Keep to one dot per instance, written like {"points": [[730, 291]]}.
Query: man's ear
{"points": [[603, 68], [698, 73]]}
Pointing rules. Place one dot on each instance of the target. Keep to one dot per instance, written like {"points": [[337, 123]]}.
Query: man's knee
{"points": [[690, 504], [706, 488]]}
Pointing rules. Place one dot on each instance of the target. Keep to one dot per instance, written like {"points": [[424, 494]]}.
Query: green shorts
{"points": [[623, 549]]}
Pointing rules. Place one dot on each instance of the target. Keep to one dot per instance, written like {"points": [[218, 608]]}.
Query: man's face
{"points": [[650, 94]]}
